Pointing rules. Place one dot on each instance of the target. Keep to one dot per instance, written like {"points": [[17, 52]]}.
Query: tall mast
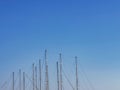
{"points": [[36, 76], [58, 75], [46, 72], [19, 79], [33, 75], [60, 72], [76, 73], [13, 80], [40, 72], [23, 80]]}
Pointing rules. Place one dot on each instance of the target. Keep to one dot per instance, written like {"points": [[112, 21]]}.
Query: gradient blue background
{"points": [[89, 29]]}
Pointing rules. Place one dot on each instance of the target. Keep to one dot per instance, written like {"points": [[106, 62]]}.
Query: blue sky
{"points": [[89, 29]]}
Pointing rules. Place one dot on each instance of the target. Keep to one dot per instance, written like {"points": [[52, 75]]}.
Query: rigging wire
{"points": [[30, 80], [68, 80], [84, 82], [89, 82], [6, 82]]}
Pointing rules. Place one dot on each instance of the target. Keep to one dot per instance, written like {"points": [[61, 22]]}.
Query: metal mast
{"points": [[13, 80], [33, 76], [36, 76], [60, 72], [23, 80], [76, 73], [19, 79], [46, 72], [40, 72], [58, 75]]}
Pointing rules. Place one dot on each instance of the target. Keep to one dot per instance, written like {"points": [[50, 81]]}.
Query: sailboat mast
{"points": [[40, 72], [23, 80], [13, 80], [76, 73], [60, 72], [19, 79], [46, 73], [36, 76], [33, 75]]}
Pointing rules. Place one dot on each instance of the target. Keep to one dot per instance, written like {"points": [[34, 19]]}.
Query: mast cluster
{"points": [[38, 74]]}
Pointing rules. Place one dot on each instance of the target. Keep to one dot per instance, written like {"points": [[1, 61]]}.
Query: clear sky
{"points": [[89, 29]]}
